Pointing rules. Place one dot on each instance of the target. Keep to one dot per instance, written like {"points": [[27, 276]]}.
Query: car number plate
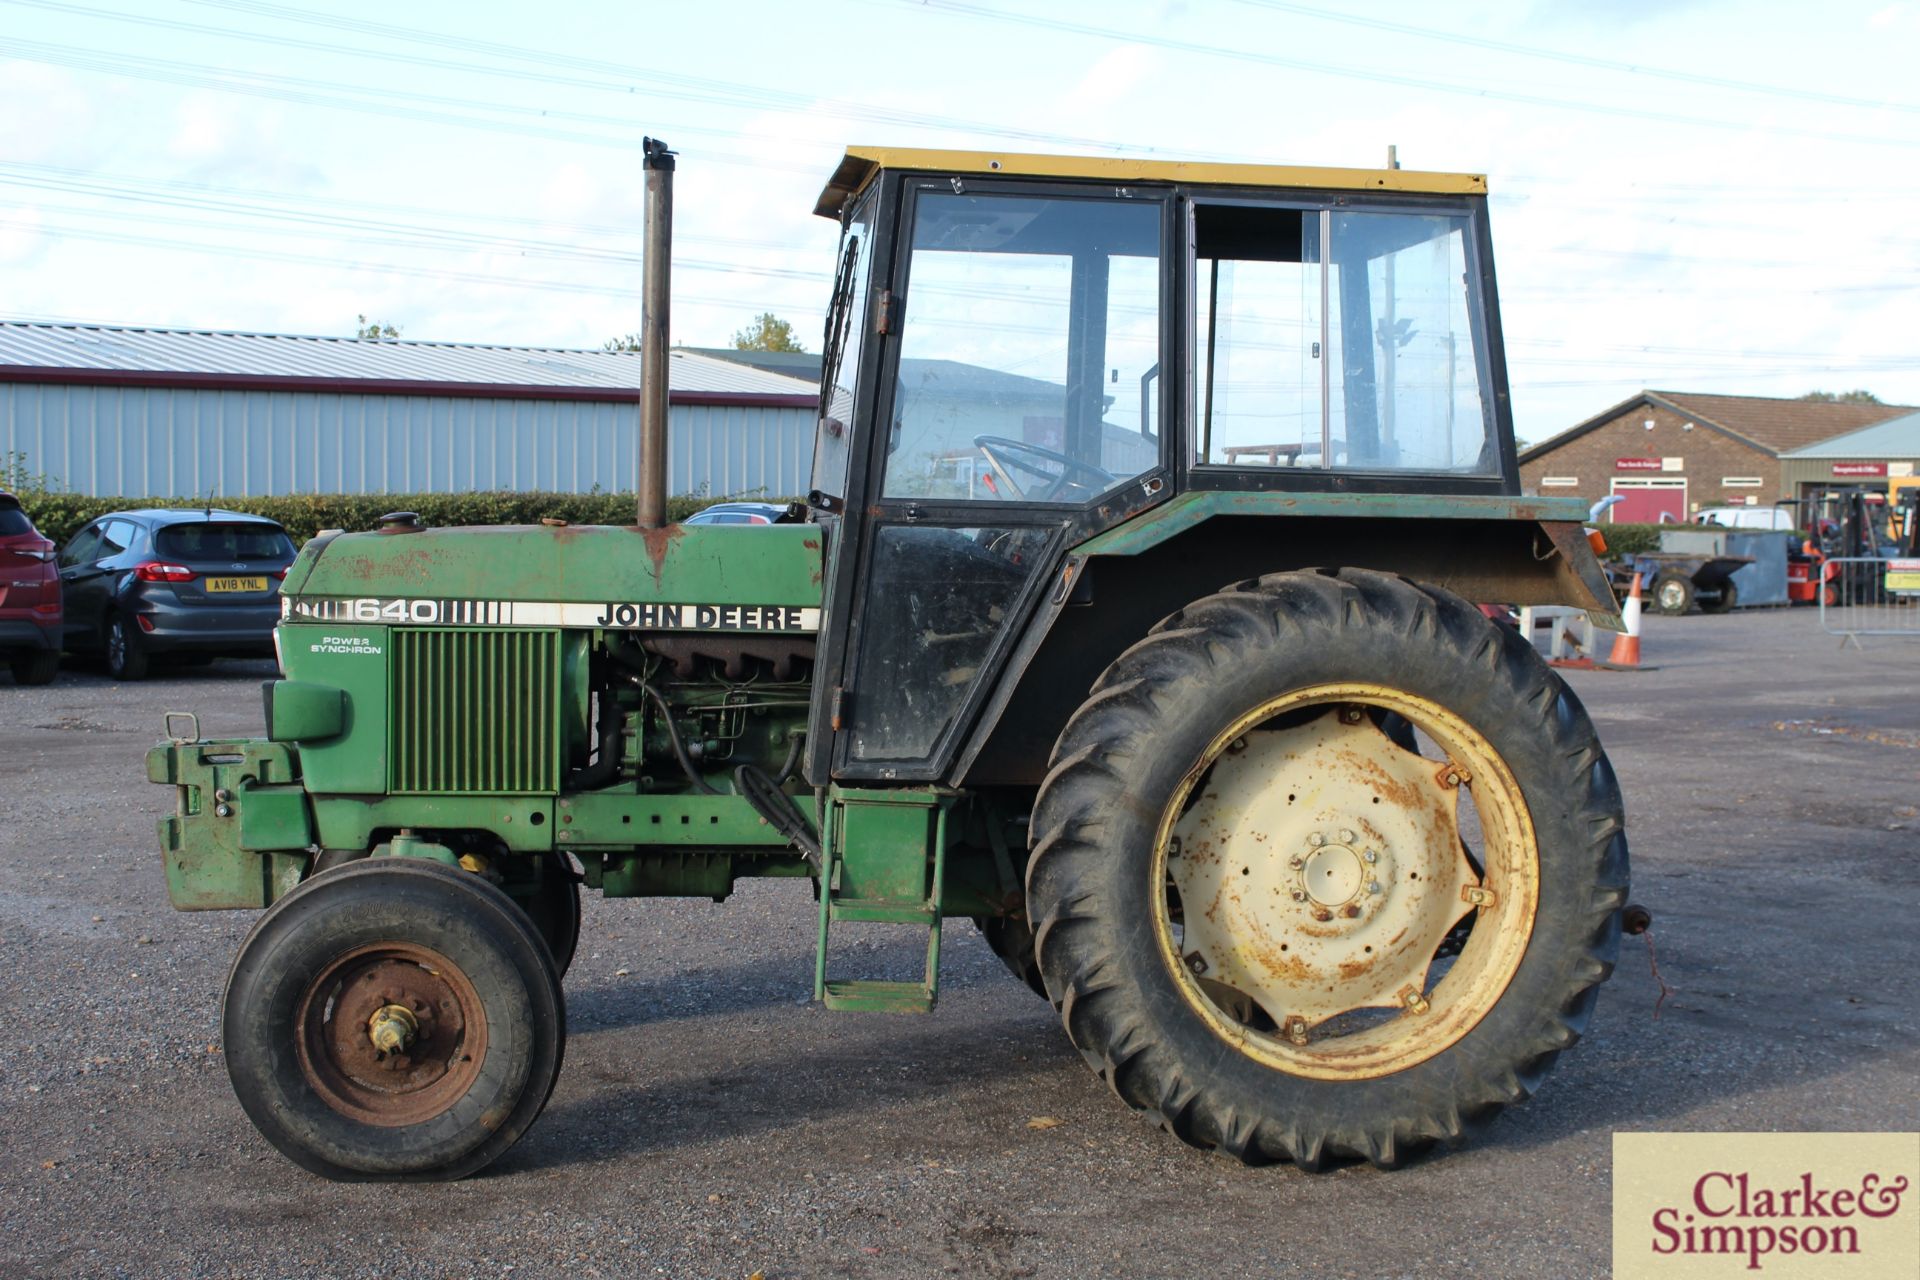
{"points": [[236, 584]]}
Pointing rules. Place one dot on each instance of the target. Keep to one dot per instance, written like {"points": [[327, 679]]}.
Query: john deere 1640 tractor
{"points": [[1132, 615]]}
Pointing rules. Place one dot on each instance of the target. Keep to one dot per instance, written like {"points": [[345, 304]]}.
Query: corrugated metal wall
{"points": [[165, 442]]}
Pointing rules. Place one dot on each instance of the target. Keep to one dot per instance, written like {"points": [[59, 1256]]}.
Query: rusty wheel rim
{"points": [[1314, 887], [352, 995]]}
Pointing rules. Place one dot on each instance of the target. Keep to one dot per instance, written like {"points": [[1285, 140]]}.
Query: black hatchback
{"points": [[197, 584]]}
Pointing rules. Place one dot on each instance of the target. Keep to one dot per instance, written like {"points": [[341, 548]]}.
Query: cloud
{"points": [[45, 116], [1116, 76]]}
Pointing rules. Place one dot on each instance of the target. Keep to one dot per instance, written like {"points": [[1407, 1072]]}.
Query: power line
{"points": [[960, 8], [1580, 59]]}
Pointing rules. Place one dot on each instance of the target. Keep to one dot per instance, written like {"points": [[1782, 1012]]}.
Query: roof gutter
{"points": [[182, 380]]}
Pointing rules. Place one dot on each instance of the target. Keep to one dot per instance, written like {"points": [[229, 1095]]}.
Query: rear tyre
{"points": [[1672, 594], [394, 1020], [1724, 602], [36, 668], [555, 910], [1290, 675], [1011, 938], [126, 653]]}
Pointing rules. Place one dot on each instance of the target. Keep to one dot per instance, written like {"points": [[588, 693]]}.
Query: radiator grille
{"points": [[474, 711]]}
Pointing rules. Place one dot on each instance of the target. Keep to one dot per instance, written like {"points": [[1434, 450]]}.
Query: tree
{"points": [[374, 330], [1843, 397], [625, 342], [768, 332]]}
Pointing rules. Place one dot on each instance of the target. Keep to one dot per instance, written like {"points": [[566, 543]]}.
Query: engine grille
{"points": [[474, 711]]}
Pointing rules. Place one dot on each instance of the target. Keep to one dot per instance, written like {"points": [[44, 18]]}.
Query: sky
{"points": [[1686, 194]]}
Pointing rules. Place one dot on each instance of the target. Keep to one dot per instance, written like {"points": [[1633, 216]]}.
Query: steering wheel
{"points": [[1003, 454]]}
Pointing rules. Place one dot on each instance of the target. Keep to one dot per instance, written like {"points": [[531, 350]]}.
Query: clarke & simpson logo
{"points": [[1783, 1205]]}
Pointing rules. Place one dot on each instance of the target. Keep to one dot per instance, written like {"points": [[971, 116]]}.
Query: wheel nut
{"points": [[1371, 856], [1350, 716], [1299, 895], [1316, 839], [1373, 886], [1346, 836], [1296, 862]]}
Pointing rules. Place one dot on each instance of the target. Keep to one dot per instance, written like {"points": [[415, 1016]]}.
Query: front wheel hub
{"points": [[392, 1028]]}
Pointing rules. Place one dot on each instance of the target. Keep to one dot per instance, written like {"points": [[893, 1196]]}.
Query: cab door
{"points": [[1016, 410]]}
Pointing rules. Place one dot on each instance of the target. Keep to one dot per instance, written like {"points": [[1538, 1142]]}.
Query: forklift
{"points": [[1842, 534]]}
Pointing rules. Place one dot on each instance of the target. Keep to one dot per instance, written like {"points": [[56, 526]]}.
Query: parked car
{"points": [[30, 624], [199, 584], [1747, 517], [739, 513]]}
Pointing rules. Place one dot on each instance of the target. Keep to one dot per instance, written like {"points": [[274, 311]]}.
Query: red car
{"points": [[30, 614]]}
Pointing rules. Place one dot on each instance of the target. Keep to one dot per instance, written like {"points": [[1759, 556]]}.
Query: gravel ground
{"points": [[712, 1122]]}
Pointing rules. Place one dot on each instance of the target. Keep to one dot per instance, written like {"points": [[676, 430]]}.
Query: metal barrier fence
{"points": [[1867, 596]]}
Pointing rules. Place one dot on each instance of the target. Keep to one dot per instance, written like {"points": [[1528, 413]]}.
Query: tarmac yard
{"points": [[711, 1121]]}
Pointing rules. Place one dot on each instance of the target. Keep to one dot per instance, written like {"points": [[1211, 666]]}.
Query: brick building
{"points": [[1671, 453]]}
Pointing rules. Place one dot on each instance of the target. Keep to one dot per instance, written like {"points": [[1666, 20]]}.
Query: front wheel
{"points": [[1327, 867], [394, 1019]]}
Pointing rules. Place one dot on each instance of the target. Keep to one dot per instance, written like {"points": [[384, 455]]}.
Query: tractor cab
{"points": [[1026, 355]]}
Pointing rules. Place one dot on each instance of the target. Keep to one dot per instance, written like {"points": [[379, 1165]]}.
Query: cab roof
{"points": [[858, 167]]}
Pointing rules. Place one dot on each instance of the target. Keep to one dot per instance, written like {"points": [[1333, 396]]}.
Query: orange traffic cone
{"points": [[1626, 646]]}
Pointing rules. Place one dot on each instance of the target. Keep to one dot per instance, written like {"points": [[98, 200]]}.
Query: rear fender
{"points": [[1114, 588]]}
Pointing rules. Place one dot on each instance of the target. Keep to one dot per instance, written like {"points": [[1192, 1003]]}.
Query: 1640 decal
{"points": [[619, 615]]}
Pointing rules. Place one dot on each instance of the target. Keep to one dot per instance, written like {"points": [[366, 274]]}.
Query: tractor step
{"points": [[878, 911], [885, 860], [867, 996]]}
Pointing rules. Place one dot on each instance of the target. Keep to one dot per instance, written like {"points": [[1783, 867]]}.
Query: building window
{"points": [[1560, 482], [1740, 482]]}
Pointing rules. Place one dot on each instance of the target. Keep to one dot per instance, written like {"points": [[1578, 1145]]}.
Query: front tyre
{"points": [[1287, 927], [394, 1019]]}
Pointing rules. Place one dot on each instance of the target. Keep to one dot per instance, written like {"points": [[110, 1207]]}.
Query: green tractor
{"points": [[1131, 616]]}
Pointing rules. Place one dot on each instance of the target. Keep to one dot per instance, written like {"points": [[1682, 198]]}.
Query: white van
{"points": [[1747, 517]]}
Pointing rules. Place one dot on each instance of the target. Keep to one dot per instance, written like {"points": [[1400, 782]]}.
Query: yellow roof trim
{"points": [[860, 164]]}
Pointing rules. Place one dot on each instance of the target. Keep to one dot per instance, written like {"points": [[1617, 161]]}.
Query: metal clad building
{"points": [[170, 413], [1871, 457]]}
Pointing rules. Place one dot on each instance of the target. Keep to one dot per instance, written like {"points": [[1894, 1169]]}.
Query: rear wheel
{"points": [[1728, 597], [554, 909], [126, 654], [1285, 934], [1011, 939], [394, 1019], [36, 668]]}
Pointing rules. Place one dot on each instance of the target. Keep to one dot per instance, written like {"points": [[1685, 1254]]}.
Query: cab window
{"points": [[1337, 339], [1029, 350]]}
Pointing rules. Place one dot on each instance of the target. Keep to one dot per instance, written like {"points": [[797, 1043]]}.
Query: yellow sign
{"points": [[1778, 1205], [1903, 575]]}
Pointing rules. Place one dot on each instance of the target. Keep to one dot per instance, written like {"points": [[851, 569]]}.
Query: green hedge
{"points": [[1631, 539], [60, 515]]}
